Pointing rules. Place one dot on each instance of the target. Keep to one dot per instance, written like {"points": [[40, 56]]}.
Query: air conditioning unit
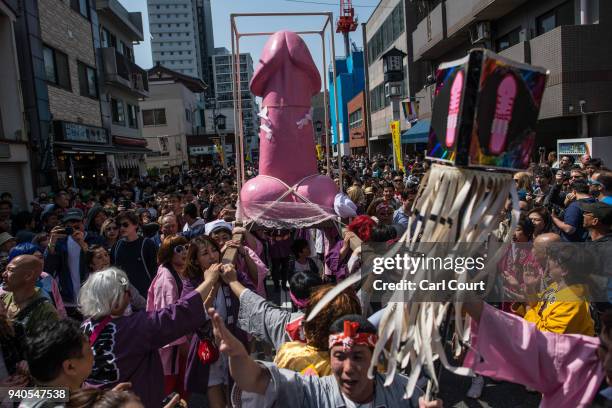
{"points": [[480, 32]]}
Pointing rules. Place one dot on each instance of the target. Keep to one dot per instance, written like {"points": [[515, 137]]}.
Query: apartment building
{"points": [[385, 29], [572, 38], [182, 36], [224, 93], [169, 118], [14, 147], [123, 84]]}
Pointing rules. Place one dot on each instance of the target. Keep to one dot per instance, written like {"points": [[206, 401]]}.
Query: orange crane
{"points": [[347, 22]]}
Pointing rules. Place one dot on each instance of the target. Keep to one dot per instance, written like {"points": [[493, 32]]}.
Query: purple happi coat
{"points": [[127, 349]]}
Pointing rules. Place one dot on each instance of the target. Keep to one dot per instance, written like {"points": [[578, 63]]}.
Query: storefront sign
{"points": [[76, 132]]}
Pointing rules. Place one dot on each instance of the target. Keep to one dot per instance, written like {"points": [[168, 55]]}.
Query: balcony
{"points": [[130, 23], [579, 58], [429, 32], [119, 70], [435, 36], [518, 52]]}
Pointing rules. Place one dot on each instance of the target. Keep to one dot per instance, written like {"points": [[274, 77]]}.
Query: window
{"points": [[154, 117], [118, 111], [562, 15], [378, 100], [105, 34], [87, 80], [81, 7], [56, 67], [355, 119], [389, 31], [132, 118], [508, 40]]}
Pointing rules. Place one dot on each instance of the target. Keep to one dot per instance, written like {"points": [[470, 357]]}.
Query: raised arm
{"points": [[256, 316], [249, 375]]}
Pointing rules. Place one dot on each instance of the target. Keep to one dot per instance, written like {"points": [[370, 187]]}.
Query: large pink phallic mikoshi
{"points": [[287, 79]]}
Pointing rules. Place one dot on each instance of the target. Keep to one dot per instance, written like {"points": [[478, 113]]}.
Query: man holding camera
{"points": [[571, 226], [65, 257]]}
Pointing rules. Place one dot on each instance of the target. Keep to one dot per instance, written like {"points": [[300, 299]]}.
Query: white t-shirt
{"points": [[74, 257]]}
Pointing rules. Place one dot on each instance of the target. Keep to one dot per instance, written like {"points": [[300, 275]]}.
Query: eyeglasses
{"points": [[179, 249]]}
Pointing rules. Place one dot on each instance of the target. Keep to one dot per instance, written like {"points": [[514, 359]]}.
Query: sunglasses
{"points": [[179, 249], [595, 183]]}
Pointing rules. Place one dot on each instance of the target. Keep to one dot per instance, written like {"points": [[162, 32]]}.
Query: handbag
{"points": [[208, 352]]}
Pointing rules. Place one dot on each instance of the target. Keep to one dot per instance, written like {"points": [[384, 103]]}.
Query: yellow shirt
{"points": [[564, 311], [304, 359]]}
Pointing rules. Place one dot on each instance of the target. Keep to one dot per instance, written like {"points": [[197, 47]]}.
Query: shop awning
{"points": [[418, 133], [132, 149]]}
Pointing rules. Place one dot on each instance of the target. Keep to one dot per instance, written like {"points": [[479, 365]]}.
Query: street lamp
{"points": [[393, 68]]}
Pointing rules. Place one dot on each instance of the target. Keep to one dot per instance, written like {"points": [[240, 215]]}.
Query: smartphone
{"points": [[126, 203], [168, 398]]}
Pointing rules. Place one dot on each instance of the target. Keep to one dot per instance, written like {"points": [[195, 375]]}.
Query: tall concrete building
{"points": [[122, 85], [224, 93], [182, 36], [385, 29], [571, 38]]}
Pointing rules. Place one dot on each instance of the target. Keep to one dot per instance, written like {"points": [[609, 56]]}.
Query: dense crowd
{"points": [[119, 292]]}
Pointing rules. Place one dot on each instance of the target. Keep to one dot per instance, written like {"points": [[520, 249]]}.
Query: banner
{"points": [[320, 154], [396, 137], [220, 151], [411, 110]]}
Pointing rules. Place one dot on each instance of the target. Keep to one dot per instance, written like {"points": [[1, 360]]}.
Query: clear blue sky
{"points": [[221, 10]]}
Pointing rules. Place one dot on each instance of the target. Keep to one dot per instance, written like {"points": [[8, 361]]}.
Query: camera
{"points": [[126, 203], [68, 230]]}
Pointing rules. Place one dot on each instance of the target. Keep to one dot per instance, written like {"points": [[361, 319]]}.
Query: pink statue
{"points": [[287, 78]]}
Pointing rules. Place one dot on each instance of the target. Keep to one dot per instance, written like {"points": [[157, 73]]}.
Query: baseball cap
{"points": [[72, 214], [600, 210], [5, 237], [217, 225]]}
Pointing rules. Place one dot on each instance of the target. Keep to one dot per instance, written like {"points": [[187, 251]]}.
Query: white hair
{"points": [[103, 292]]}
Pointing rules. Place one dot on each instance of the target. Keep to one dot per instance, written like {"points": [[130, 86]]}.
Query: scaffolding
{"points": [[237, 36]]}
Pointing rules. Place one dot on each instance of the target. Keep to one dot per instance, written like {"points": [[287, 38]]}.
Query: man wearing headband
{"points": [[352, 340]]}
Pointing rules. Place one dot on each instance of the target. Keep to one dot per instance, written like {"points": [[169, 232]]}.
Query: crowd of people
{"points": [[122, 294]]}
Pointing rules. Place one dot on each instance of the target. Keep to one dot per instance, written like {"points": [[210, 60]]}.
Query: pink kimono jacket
{"points": [[262, 270], [563, 367], [162, 293]]}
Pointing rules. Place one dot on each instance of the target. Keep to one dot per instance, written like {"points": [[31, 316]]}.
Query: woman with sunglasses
{"points": [[98, 259], [110, 232], [165, 290]]}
